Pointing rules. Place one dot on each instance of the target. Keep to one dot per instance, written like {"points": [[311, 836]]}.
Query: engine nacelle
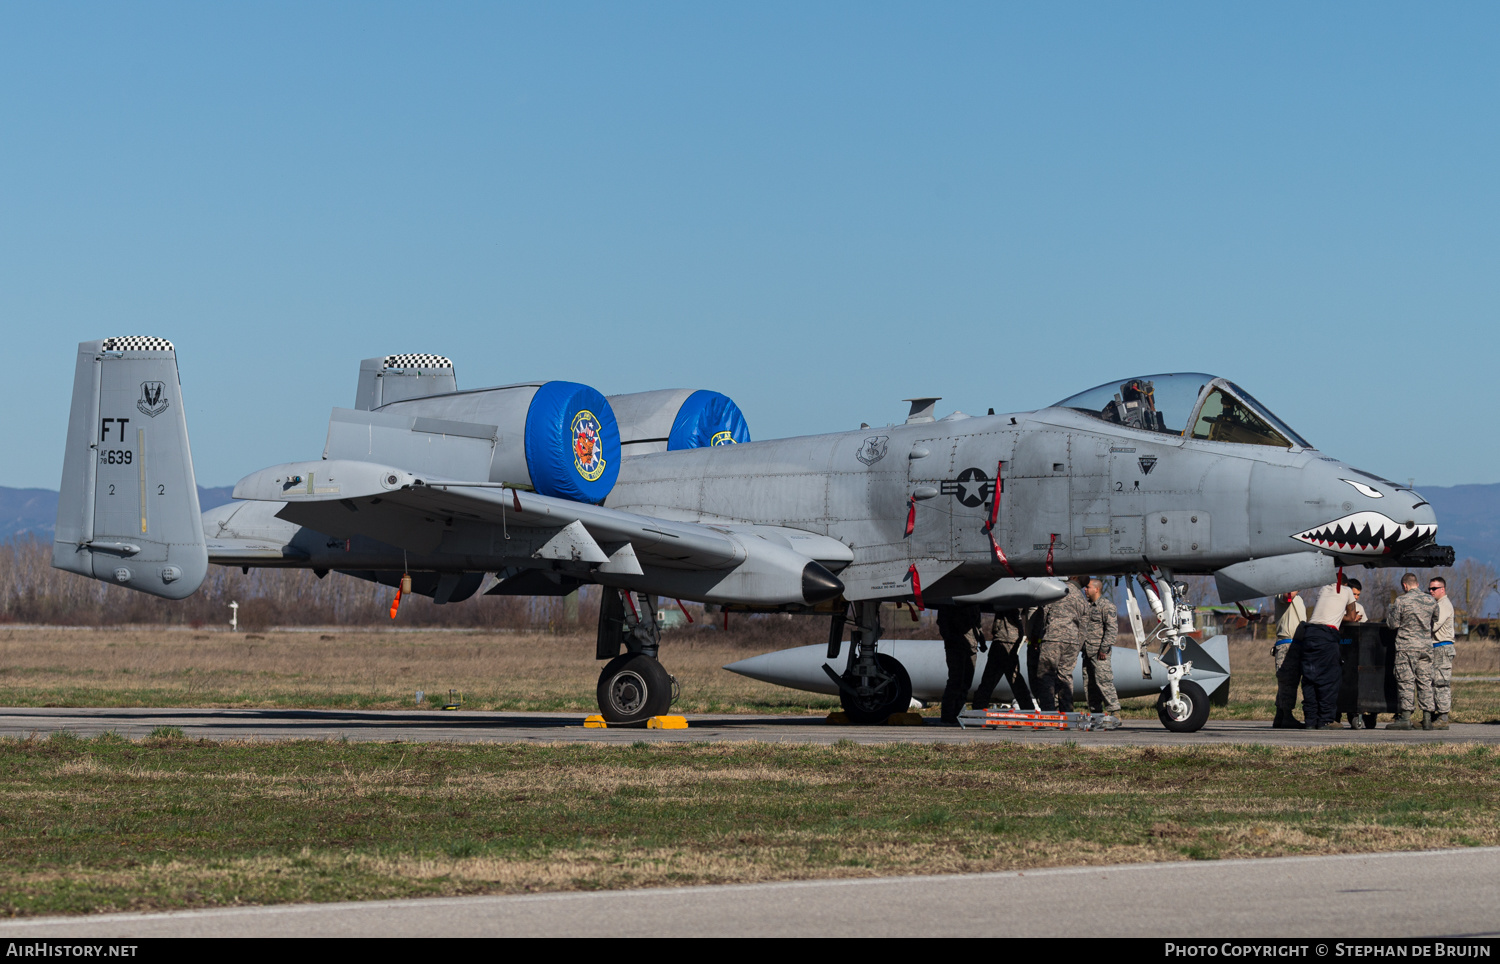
{"points": [[677, 418], [559, 438]]}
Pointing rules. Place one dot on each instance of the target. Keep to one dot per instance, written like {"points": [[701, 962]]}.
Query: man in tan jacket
{"points": [[1442, 652]]}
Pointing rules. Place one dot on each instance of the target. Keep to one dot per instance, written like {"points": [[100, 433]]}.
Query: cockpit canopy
{"points": [[1190, 404]]}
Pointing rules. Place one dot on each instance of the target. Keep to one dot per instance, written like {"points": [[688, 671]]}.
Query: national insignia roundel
{"points": [[588, 452]]}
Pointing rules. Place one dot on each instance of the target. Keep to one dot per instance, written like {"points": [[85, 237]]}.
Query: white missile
{"points": [[802, 668]]}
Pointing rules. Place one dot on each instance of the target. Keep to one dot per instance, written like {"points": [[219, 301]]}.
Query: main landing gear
{"points": [[633, 686], [873, 686]]}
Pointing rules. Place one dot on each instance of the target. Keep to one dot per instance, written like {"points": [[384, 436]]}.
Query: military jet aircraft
{"points": [[549, 486]]}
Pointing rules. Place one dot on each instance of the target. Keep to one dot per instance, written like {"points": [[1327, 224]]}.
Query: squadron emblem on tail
{"points": [[151, 403]]}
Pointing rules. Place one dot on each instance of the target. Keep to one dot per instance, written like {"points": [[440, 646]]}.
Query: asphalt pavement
{"points": [[1452, 894], [469, 727]]}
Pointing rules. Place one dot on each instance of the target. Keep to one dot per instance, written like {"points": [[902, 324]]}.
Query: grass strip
{"points": [[109, 824]]}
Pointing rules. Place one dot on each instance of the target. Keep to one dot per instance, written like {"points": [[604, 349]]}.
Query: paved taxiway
{"points": [[1363, 896], [420, 726]]}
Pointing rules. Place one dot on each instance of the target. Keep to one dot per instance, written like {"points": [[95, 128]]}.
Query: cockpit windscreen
{"points": [[1156, 403], [1190, 404]]}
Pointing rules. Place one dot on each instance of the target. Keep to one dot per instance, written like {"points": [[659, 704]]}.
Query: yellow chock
{"points": [[667, 723], [838, 718], [595, 722], [905, 719]]}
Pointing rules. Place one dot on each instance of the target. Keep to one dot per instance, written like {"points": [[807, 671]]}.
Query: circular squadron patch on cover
{"points": [[588, 451], [723, 438]]}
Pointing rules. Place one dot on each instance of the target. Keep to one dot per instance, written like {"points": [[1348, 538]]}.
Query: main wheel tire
{"points": [[632, 689], [1197, 708], [893, 697]]}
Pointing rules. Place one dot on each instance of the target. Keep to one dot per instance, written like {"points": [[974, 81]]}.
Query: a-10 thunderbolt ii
{"points": [[551, 485]]}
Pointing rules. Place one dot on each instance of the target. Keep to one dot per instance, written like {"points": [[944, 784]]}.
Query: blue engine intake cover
{"points": [[707, 418], [572, 443]]}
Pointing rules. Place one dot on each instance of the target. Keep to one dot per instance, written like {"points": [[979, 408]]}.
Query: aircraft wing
{"points": [[344, 498]]}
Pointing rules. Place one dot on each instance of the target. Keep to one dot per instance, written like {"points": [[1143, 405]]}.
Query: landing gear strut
{"points": [[1182, 706], [873, 685], [634, 686]]}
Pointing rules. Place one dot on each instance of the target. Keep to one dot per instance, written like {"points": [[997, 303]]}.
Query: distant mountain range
{"points": [[1468, 515]]}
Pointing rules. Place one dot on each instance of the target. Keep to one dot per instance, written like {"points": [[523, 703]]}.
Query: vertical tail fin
{"points": [[395, 377], [128, 510]]}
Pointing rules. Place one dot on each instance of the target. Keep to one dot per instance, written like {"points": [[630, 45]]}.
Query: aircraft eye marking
{"points": [[1365, 490]]}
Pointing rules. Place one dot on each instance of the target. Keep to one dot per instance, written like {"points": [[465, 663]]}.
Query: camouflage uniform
{"points": [[1100, 628], [962, 633], [1058, 653], [1011, 630], [1413, 616]]}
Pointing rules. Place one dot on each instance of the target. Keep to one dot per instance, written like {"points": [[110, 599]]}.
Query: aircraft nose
{"points": [[1371, 516]]}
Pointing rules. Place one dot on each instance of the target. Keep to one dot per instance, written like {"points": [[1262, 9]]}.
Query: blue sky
{"points": [[818, 209]]}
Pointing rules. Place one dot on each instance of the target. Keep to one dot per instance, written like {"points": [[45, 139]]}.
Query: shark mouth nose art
{"points": [[1369, 533]]}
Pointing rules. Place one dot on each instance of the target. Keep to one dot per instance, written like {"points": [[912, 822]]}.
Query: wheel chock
{"points": [[595, 722], [905, 719], [667, 723], [838, 718]]}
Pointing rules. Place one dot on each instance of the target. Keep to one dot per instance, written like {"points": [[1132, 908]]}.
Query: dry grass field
{"points": [[111, 824], [500, 671], [363, 669]]}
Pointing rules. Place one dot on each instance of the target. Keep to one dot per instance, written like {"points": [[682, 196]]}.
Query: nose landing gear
{"points": [[1182, 706]]}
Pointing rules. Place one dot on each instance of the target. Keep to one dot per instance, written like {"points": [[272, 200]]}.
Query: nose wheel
{"points": [[1188, 712]]}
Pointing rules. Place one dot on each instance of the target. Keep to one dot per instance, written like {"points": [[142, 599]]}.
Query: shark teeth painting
{"points": [[1368, 533]]}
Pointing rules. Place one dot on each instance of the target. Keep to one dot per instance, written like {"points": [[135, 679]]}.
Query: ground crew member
{"points": [[1291, 614], [1010, 631], [1318, 653], [1442, 653], [1414, 617], [1101, 626], [1347, 652], [1058, 653], [962, 632]]}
